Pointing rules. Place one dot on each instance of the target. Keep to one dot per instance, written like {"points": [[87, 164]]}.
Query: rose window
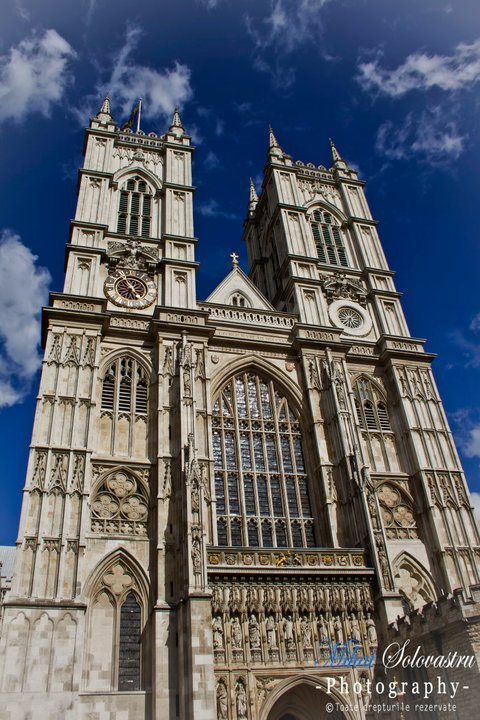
{"points": [[120, 505], [350, 318]]}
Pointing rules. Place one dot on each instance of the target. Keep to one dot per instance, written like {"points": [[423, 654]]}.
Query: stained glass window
{"points": [[261, 484]]}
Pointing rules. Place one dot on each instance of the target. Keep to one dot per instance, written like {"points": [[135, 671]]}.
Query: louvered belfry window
{"points": [[328, 239], [125, 387], [135, 208], [371, 410], [261, 485]]}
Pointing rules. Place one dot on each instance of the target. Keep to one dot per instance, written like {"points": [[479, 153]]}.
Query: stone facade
{"points": [[220, 491]]}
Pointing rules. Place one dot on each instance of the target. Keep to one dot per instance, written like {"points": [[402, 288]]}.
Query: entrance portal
{"points": [[304, 702]]}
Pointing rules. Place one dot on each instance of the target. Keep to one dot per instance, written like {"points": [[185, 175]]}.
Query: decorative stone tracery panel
{"points": [[120, 504]]}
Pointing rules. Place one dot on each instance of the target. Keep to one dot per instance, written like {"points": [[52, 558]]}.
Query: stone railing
{"points": [[251, 317]]}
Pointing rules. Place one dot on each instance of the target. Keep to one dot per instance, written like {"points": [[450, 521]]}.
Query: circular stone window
{"points": [[350, 317]]}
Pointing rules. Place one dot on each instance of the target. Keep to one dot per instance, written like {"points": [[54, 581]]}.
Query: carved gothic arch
{"points": [[405, 493], [255, 364], [131, 171], [123, 352], [112, 471], [355, 379], [415, 583], [323, 204], [319, 684], [120, 556]]}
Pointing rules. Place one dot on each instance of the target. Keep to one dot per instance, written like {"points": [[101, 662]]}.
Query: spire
{"points": [[336, 157], [253, 199], [176, 122], [253, 192], [274, 149], [272, 140], [105, 113]]}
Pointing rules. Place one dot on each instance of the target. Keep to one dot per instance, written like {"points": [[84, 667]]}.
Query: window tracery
{"points": [[397, 512], [260, 478], [239, 300], [115, 630], [120, 505], [328, 238], [135, 208]]}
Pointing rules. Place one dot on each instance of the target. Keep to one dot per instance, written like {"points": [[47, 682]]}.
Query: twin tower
{"points": [[220, 491]]}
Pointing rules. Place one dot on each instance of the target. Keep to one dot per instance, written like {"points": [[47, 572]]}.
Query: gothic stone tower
{"points": [[216, 490]]}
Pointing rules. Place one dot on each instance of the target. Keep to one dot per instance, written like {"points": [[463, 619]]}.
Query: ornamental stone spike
{"points": [[176, 122], [105, 112], [274, 148], [336, 157], [253, 196]]}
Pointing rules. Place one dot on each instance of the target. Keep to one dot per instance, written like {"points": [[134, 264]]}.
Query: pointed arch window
{"points": [[374, 422], [124, 408], [114, 635], [371, 408], [328, 238], [125, 387], [261, 484], [135, 208]]}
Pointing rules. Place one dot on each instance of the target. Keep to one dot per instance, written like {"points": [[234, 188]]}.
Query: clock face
{"points": [[130, 288]]}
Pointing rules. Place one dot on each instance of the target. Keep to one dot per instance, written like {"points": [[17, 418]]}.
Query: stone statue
{"points": [[254, 632], [371, 630], [323, 630], [241, 701], [271, 632], [338, 630], [222, 701], [217, 633], [306, 630], [237, 642], [288, 630], [355, 629]]}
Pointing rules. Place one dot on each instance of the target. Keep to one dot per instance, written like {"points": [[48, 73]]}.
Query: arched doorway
{"points": [[304, 702]]}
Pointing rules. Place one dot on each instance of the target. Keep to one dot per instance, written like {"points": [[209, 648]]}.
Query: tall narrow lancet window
{"points": [[135, 208], [328, 238], [261, 485], [129, 655]]}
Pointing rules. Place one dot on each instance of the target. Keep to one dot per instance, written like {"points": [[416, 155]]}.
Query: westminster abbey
{"points": [[225, 497]]}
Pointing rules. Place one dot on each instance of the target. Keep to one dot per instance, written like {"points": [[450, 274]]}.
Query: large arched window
{"points": [[124, 408], [328, 238], [135, 208], [261, 485]]}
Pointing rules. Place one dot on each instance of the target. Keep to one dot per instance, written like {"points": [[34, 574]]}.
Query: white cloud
{"points": [[476, 504], [210, 4], [471, 442], [34, 75], [421, 71], [211, 161], [211, 208], [430, 136], [23, 290], [290, 24], [161, 90]]}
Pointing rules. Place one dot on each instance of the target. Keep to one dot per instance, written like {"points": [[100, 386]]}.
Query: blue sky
{"points": [[395, 84]]}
